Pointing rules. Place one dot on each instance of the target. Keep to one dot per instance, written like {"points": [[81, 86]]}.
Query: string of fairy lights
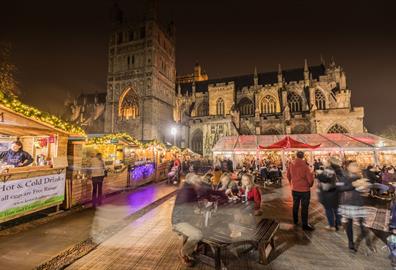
{"points": [[12, 102]]}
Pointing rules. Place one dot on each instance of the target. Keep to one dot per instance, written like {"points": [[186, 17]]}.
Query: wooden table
{"points": [[238, 216]]}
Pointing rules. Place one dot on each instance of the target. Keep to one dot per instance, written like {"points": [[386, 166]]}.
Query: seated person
{"points": [[229, 187], [184, 217], [252, 193], [215, 179]]}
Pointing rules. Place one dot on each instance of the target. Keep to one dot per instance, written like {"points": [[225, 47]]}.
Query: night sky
{"points": [[61, 46]]}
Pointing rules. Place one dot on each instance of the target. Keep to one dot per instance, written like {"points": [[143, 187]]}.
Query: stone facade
{"points": [[312, 99], [141, 78]]}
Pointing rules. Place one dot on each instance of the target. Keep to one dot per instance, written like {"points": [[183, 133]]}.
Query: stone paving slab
{"points": [[28, 248], [149, 243]]}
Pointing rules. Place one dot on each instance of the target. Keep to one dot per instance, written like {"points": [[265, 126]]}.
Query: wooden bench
{"points": [[260, 238]]}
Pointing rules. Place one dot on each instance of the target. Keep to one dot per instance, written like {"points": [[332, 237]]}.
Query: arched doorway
{"points": [[197, 141]]}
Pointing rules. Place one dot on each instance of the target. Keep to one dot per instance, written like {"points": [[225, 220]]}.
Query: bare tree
{"points": [[8, 83], [389, 132]]}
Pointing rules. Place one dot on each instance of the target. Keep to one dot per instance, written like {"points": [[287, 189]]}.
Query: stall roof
{"points": [[328, 142]]}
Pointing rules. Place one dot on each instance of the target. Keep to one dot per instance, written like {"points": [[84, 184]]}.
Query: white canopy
{"points": [[328, 142]]}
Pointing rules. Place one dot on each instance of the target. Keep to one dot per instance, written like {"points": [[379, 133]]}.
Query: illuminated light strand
{"points": [[11, 101]]}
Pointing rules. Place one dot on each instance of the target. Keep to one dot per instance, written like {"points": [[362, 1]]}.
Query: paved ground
{"points": [[28, 247], [149, 243]]}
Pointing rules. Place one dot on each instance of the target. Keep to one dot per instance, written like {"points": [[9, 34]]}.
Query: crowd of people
{"points": [[341, 187], [221, 184]]}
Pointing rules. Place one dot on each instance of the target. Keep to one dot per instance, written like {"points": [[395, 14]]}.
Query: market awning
{"points": [[325, 142], [289, 143]]}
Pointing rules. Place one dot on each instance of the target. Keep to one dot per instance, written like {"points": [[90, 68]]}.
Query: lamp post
{"points": [[174, 132]]}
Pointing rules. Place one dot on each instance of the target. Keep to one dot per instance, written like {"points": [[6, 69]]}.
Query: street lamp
{"points": [[174, 132]]}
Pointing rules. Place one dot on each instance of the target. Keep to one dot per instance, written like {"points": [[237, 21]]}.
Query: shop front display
{"points": [[33, 159], [365, 148]]}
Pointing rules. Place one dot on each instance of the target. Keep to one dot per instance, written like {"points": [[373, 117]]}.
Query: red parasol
{"points": [[289, 143]]}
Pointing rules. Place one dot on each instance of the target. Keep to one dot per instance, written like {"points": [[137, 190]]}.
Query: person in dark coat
{"points": [[328, 193], [351, 203]]}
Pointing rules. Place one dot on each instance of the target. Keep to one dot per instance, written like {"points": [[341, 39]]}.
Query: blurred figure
{"points": [[317, 164], [351, 205], [184, 219], [301, 180], [388, 176], [97, 170], [215, 179], [328, 193], [251, 193]]}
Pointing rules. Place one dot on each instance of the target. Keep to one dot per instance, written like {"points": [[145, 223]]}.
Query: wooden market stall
{"points": [[40, 185], [365, 148], [119, 155]]}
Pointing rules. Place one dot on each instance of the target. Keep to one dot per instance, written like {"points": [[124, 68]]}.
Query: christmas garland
{"points": [[111, 138], [11, 101]]}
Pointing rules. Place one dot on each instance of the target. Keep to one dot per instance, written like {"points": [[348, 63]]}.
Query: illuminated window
{"points": [[128, 105], [320, 100], [220, 107], [268, 104], [246, 107], [295, 102], [337, 129]]}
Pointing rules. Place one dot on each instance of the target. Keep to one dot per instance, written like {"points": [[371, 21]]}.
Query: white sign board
{"points": [[26, 195]]}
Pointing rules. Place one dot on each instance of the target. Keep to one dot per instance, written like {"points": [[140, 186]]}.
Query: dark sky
{"points": [[61, 46]]}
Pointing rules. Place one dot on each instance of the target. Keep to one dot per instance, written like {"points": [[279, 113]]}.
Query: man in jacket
{"points": [[301, 180]]}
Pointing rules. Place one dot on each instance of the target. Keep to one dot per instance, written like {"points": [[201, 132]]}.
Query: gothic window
{"points": [[320, 100], [246, 107], [203, 109], [128, 105], [270, 131], [337, 129], [268, 104], [197, 142], [220, 107], [300, 129], [221, 129], [295, 102]]}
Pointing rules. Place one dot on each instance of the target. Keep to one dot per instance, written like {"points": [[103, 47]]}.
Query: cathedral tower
{"points": [[141, 77]]}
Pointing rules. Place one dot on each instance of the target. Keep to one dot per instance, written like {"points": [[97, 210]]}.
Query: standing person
{"points": [[351, 206], [301, 180], [230, 165], [98, 171], [328, 193], [16, 156]]}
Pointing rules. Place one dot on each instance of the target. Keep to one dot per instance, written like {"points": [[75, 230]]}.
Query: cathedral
{"points": [[145, 98], [310, 99]]}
